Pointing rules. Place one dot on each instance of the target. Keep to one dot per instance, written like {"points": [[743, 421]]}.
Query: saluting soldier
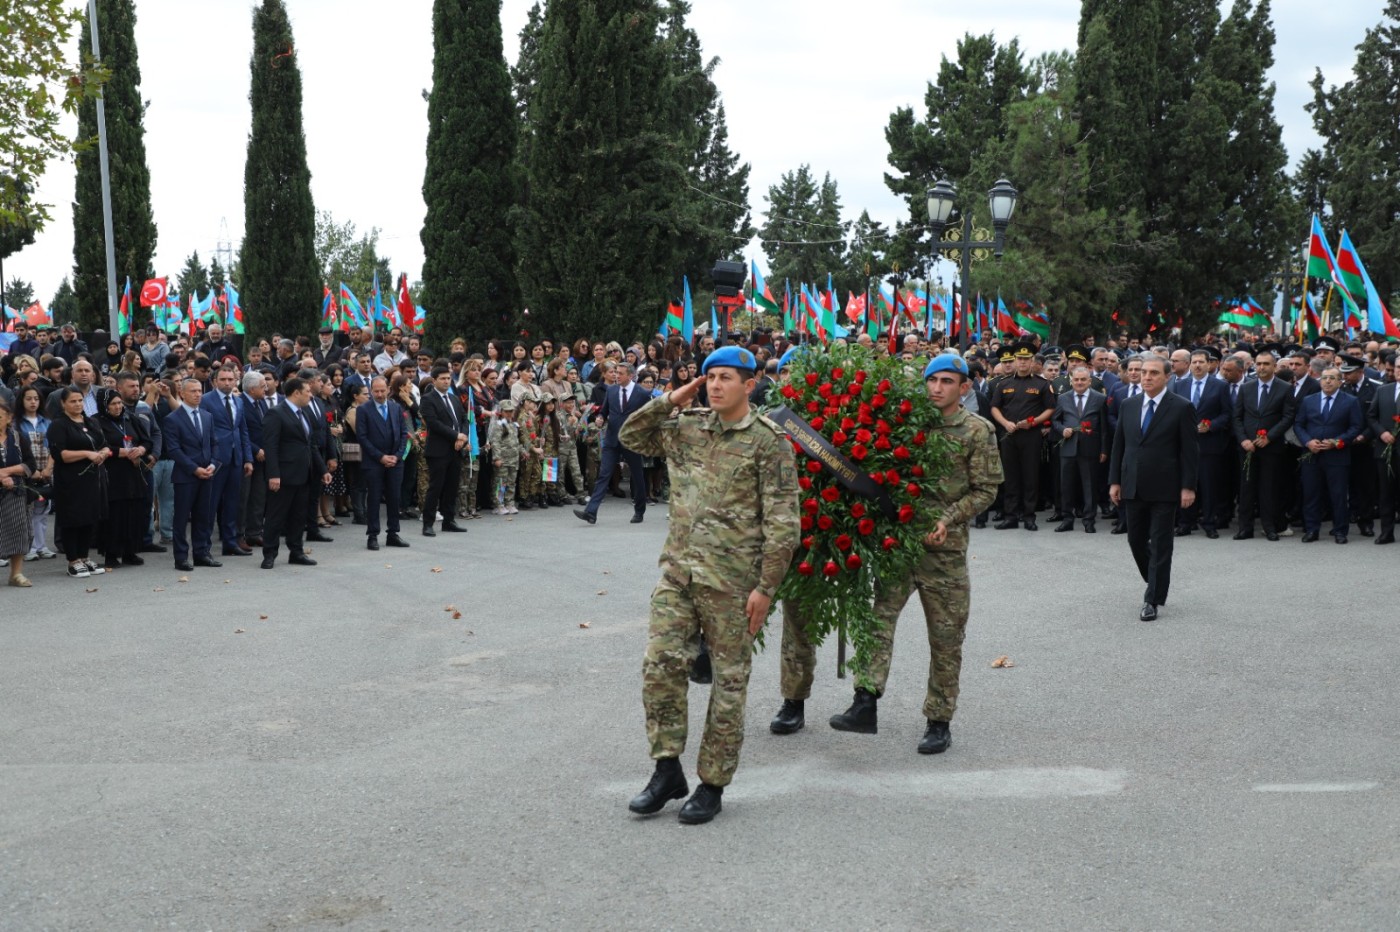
{"points": [[1022, 405]]}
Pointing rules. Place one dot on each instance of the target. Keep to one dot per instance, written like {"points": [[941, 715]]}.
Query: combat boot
{"points": [[703, 806], [937, 738], [860, 717], [701, 669], [788, 719], [666, 784]]}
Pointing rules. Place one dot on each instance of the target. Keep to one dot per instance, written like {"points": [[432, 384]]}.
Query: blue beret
{"points": [[735, 357], [787, 357], [946, 362]]}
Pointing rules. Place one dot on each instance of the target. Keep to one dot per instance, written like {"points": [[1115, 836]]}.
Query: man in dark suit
{"points": [[446, 422], [1263, 414], [294, 469], [1363, 489], [1079, 422], [1151, 473], [254, 492], [382, 430], [618, 404], [317, 408], [231, 452], [326, 352], [1384, 418], [189, 435], [1327, 423], [1129, 387], [1211, 399]]}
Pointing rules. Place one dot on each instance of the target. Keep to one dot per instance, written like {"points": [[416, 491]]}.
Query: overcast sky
{"points": [[802, 82]]}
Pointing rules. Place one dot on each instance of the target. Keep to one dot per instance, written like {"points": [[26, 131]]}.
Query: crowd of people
{"points": [[151, 443]]}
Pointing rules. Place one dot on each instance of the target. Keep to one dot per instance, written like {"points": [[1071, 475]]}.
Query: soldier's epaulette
{"points": [[771, 424], [693, 410]]}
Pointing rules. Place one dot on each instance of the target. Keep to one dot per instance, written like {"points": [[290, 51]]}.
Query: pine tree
{"points": [[525, 73], [217, 277], [1357, 172], [19, 293], [599, 234], [804, 238], [192, 281], [281, 287], [469, 285], [870, 254], [133, 225], [64, 304]]}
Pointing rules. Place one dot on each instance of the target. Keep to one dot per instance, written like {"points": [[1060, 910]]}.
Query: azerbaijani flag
{"points": [[124, 310], [1378, 317], [688, 320], [330, 314], [1006, 324], [1322, 264], [233, 311], [349, 304], [762, 298], [1034, 321]]}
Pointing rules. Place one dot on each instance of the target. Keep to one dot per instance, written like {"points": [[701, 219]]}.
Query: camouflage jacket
{"points": [[970, 484], [734, 516], [504, 439]]}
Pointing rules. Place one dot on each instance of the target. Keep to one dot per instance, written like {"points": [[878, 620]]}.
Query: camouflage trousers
{"points": [[946, 595], [466, 492], [569, 466], [679, 614], [506, 475], [799, 656], [530, 483]]}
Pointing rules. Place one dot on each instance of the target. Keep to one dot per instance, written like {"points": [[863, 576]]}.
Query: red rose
{"points": [[863, 435], [831, 494], [899, 419], [1264, 433], [843, 542], [858, 452], [884, 386], [889, 543], [805, 483], [824, 523], [917, 471], [858, 510], [797, 448], [818, 423], [906, 406], [806, 523], [831, 569], [892, 477], [811, 506], [913, 489], [805, 568], [919, 439], [825, 390], [831, 410], [847, 424], [839, 438], [789, 392], [866, 527], [853, 389], [1206, 422], [878, 401], [1341, 444], [878, 478], [883, 443], [838, 373], [865, 418], [901, 453], [814, 467], [861, 376], [906, 514], [330, 417], [813, 407], [853, 562], [812, 379], [881, 427]]}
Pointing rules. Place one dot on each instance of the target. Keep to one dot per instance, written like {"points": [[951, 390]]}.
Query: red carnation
{"points": [[839, 438], [889, 543], [863, 435], [847, 424], [838, 373], [878, 478], [906, 514], [831, 410], [843, 542], [818, 423], [825, 390], [813, 407], [797, 448], [805, 483], [919, 439], [865, 418], [812, 379], [901, 453], [814, 467], [811, 506], [917, 471], [883, 387], [858, 510], [789, 392], [831, 494], [861, 376], [858, 452], [906, 406], [882, 443], [824, 523], [330, 417], [1341, 444], [881, 427], [866, 527], [806, 523], [807, 542], [853, 389], [892, 477], [805, 568], [913, 489], [853, 562], [899, 419], [878, 401], [831, 569]]}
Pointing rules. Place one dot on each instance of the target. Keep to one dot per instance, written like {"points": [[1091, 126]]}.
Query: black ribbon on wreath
{"points": [[846, 472]]}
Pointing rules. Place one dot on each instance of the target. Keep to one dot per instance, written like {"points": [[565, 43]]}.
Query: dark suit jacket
{"points": [[437, 419], [1157, 466], [292, 455], [323, 359], [1275, 417], [253, 417], [614, 413], [1381, 416], [378, 438], [1066, 415], [1344, 422], [1311, 386], [1215, 407], [1114, 403], [230, 439], [189, 448]]}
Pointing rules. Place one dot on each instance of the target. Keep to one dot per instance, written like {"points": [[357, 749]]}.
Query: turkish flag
{"points": [[154, 292], [36, 316]]}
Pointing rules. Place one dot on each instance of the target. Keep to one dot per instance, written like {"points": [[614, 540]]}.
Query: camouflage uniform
{"points": [[798, 663], [504, 439], [529, 482], [569, 427], [733, 530], [941, 575]]}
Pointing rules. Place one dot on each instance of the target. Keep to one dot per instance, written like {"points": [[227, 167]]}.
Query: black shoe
{"points": [[1148, 613], [527, 505], [184, 566], [131, 559], [428, 531], [936, 739], [703, 806], [1365, 530], [453, 527], [1310, 537], [1007, 524], [636, 519], [667, 783], [1385, 537], [1212, 533], [861, 717], [152, 548], [981, 522], [1183, 532], [372, 543], [300, 559], [1340, 538], [1270, 535], [394, 540], [206, 561], [237, 552], [411, 513], [702, 670], [268, 563], [1118, 529], [1243, 534], [319, 538], [585, 516], [1030, 524], [1089, 528], [1064, 526], [1108, 514], [1059, 516], [788, 719]]}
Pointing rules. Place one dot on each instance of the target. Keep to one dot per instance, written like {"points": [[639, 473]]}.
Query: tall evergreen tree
{"points": [[281, 286], [192, 281], [804, 238], [19, 293], [606, 175], [133, 225], [217, 277], [469, 283], [1357, 172], [870, 256], [64, 304]]}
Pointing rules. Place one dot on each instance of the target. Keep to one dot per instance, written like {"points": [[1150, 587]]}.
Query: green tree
{"points": [[192, 281], [133, 225], [804, 238], [525, 73], [39, 83], [19, 294], [606, 176], [64, 304], [281, 286], [345, 256], [1356, 176], [870, 256], [217, 277], [469, 281]]}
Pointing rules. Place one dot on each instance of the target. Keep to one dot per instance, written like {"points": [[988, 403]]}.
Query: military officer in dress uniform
{"points": [[1022, 405]]}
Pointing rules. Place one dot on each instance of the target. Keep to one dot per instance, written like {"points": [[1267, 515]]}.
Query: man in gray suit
{"points": [[1079, 423]]}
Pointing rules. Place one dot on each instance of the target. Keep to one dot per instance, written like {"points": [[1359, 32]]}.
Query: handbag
{"points": [[350, 452]]}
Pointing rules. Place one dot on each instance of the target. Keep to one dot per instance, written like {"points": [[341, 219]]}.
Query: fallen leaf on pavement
{"points": [[584, 624], [602, 592], [262, 618], [436, 569], [183, 579], [1002, 662], [227, 581], [449, 608], [158, 589], [237, 630], [93, 589], [456, 615]]}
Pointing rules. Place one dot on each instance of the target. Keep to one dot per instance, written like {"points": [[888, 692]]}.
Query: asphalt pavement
{"points": [[335, 748]]}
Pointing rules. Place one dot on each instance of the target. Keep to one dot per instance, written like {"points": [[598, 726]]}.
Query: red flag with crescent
{"points": [[154, 292]]}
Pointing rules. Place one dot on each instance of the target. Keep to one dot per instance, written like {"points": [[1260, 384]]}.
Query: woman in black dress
{"points": [[80, 478], [16, 465], [120, 534]]}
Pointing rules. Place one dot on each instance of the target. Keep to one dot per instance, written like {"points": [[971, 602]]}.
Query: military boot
{"points": [[788, 719], [701, 669], [703, 806], [666, 784], [860, 717], [937, 738]]}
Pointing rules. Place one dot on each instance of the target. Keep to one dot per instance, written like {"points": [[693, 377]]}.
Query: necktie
{"points": [[384, 413], [1196, 393], [624, 396], [1326, 407], [228, 406], [1263, 393], [194, 416], [305, 423], [452, 411], [1147, 418], [1234, 392], [1079, 404]]}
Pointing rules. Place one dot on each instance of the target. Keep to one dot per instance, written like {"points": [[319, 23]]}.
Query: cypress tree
{"points": [[133, 225], [469, 285], [599, 234], [281, 287]]}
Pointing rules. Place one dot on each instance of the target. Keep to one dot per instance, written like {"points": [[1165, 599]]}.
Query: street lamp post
{"points": [[942, 197]]}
